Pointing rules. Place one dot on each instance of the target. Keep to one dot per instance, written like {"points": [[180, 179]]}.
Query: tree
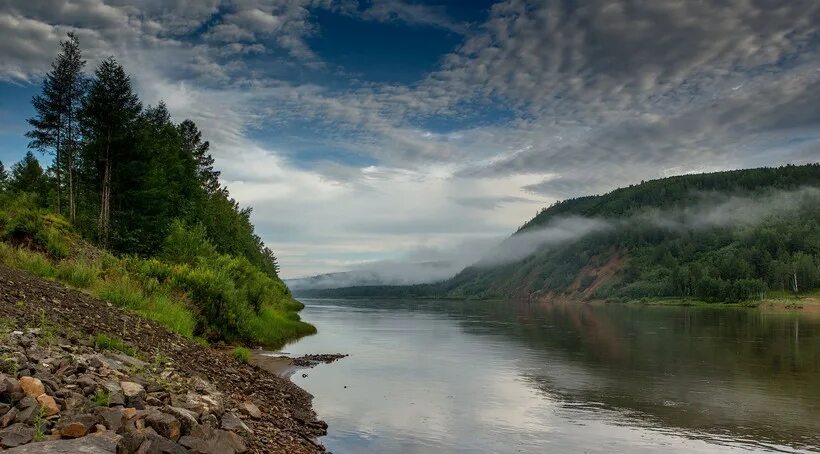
{"points": [[27, 176], [4, 177], [108, 114], [192, 139], [55, 124]]}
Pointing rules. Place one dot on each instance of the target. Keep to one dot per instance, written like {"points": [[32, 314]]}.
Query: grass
{"points": [[211, 298], [101, 397], [39, 422], [106, 342], [241, 354]]}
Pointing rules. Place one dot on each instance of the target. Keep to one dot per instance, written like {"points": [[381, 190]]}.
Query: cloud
{"points": [[411, 13], [543, 100]]}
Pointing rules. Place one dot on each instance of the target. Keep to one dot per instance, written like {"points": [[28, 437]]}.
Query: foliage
{"points": [[241, 354], [177, 248]]}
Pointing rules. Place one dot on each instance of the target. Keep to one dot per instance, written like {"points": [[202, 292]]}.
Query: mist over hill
{"points": [[725, 236]]}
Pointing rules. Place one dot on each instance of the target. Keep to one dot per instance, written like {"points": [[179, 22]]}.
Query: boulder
{"points": [[166, 425], [187, 418], [93, 444], [31, 386], [204, 440], [16, 435], [148, 443], [232, 423], [10, 416], [49, 405], [132, 390], [78, 426], [113, 418], [250, 409], [211, 404]]}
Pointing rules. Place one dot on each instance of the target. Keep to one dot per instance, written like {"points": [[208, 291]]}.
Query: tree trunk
{"points": [[105, 201], [72, 202], [57, 163]]}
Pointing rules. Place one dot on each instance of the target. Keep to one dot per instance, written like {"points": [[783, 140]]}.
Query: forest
{"points": [[736, 236], [131, 209]]}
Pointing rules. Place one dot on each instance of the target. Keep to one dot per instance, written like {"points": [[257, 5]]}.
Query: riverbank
{"points": [[185, 389], [285, 366]]}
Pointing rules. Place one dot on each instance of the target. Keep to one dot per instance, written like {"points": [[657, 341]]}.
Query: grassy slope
{"points": [[175, 295]]}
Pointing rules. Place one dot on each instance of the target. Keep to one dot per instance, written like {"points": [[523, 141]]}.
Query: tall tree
{"points": [[108, 115], [56, 126], [192, 139]]}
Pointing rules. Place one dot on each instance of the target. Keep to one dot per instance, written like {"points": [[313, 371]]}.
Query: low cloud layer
{"points": [[708, 211]]}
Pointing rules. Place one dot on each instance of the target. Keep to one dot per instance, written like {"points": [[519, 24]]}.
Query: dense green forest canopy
{"points": [[719, 237], [130, 180]]}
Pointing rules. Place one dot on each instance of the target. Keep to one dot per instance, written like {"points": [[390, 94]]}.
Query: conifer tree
{"points": [[108, 115], [4, 177], [55, 125], [192, 137]]}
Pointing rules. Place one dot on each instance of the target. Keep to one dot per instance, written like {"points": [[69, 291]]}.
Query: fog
{"points": [[425, 265]]}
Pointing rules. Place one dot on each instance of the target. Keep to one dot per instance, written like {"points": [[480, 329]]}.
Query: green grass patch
{"points": [[101, 397], [106, 342], [241, 354]]}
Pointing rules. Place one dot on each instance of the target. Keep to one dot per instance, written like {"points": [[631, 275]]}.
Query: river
{"points": [[494, 377]]}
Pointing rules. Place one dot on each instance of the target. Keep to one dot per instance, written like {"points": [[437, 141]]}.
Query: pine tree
{"points": [[192, 137], [4, 177], [55, 124], [108, 115]]}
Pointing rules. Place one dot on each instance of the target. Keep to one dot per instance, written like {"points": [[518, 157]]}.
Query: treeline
{"points": [[176, 247], [122, 173], [735, 261]]}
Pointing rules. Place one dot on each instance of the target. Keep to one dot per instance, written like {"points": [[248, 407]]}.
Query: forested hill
{"points": [[726, 236]]}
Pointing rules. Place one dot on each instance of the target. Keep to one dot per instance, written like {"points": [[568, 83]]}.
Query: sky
{"points": [[384, 131]]}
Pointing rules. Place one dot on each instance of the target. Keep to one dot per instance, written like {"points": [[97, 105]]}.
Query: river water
{"points": [[493, 377]]}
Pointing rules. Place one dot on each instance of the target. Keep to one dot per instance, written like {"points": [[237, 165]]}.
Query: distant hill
{"points": [[725, 236]]}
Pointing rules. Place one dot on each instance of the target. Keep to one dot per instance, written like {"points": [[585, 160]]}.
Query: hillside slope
{"points": [[718, 237], [726, 236]]}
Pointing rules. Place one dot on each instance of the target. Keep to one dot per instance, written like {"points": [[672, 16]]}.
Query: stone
{"points": [[187, 418], [250, 409], [204, 440], [115, 399], [166, 425], [16, 435], [98, 443], [129, 412], [132, 390], [148, 443], [201, 404], [31, 386], [232, 423], [48, 404], [10, 416], [113, 418], [28, 414], [78, 426]]}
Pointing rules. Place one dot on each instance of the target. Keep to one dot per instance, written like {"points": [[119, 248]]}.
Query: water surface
{"points": [[492, 377]]}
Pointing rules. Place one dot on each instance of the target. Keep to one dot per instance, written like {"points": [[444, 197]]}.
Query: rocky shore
{"points": [[80, 376]]}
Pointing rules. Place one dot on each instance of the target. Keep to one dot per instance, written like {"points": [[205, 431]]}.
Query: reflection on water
{"points": [[442, 376]]}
